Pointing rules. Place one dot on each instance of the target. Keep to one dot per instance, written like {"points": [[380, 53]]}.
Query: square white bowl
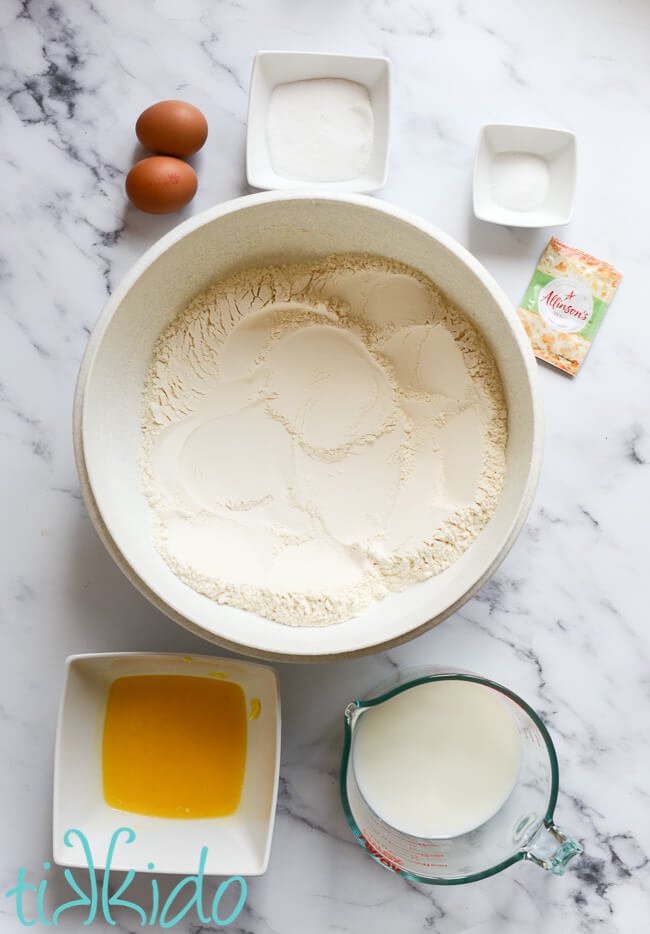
{"points": [[556, 147], [273, 68], [237, 845]]}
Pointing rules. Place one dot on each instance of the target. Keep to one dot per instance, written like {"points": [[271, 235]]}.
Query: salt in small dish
{"points": [[273, 68], [524, 176]]}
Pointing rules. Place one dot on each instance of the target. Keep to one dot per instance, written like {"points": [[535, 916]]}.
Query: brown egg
{"points": [[172, 127], [161, 184]]}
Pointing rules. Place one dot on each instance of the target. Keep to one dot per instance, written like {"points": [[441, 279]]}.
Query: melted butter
{"points": [[174, 746]]}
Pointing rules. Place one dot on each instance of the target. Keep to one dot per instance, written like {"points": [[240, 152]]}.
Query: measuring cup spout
{"points": [[552, 849]]}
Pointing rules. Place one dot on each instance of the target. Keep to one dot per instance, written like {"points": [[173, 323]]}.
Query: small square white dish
{"points": [[524, 176], [271, 68], [236, 845]]}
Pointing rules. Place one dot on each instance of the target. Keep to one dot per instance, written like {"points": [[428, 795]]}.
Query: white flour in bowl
{"points": [[316, 436]]}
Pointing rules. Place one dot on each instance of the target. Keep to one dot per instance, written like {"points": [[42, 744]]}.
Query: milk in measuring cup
{"points": [[438, 759]]}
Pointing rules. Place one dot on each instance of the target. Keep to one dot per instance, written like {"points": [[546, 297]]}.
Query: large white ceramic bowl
{"points": [[269, 228]]}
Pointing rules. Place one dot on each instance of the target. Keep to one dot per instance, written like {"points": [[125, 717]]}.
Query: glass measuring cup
{"points": [[523, 828]]}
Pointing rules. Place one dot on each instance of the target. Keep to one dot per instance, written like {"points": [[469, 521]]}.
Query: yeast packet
{"points": [[564, 304]]}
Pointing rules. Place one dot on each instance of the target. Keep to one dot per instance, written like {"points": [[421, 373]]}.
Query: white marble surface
{"points": [[563, 622]]}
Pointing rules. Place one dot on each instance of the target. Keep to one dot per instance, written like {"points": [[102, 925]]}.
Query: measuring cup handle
{"points": [[552, 849]]}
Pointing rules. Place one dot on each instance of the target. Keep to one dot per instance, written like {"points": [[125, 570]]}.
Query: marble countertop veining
{"points": [[564, 621]]}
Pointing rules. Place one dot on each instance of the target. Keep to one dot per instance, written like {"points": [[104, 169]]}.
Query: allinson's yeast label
{"points": [[564, 304]]}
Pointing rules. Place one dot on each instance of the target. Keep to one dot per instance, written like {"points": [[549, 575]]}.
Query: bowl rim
{"points": [[127, 282]]}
